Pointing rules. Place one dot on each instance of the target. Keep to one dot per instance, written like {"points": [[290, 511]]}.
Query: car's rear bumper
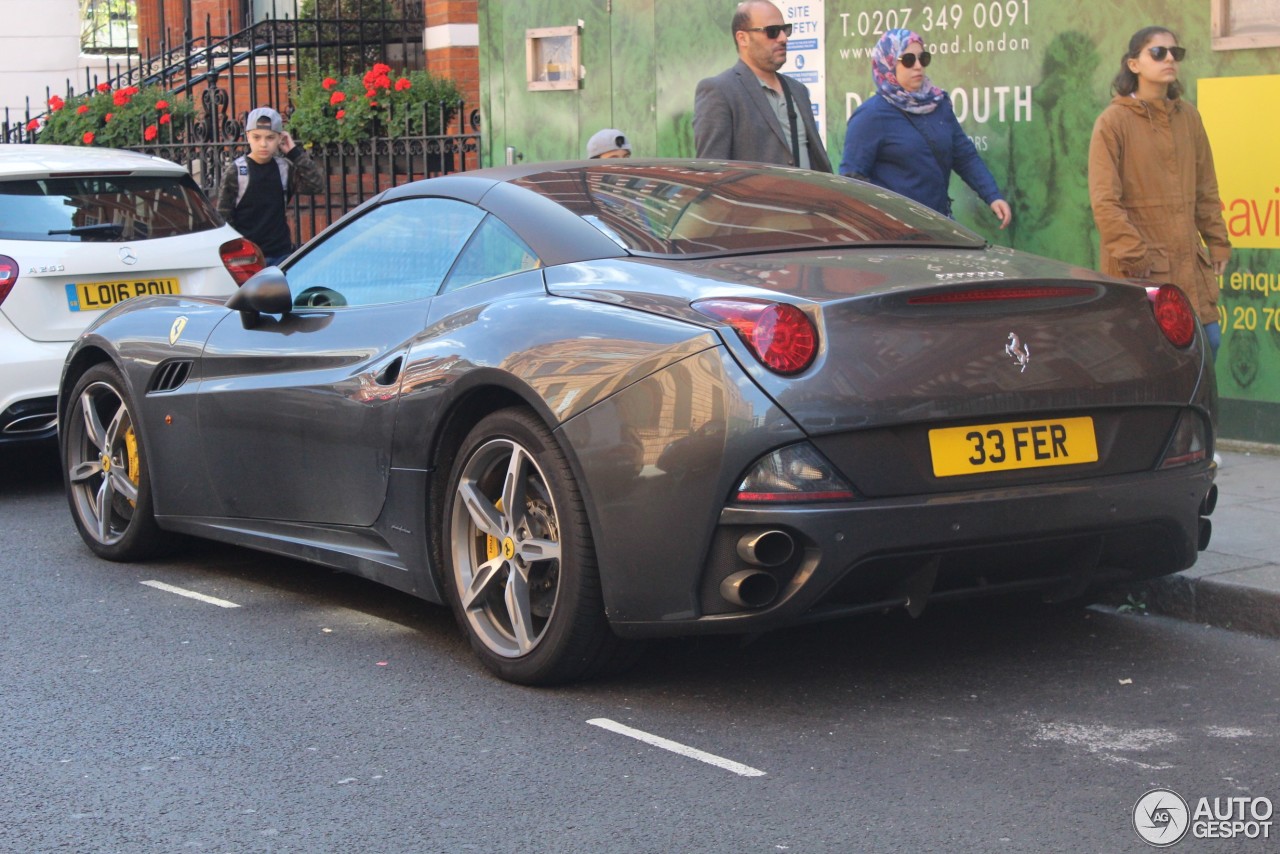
{"points": [[28, 385], [905, 552]]}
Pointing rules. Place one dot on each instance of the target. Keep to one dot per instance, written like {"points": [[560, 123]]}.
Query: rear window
{"points": [[110, 208], [663, 209]]}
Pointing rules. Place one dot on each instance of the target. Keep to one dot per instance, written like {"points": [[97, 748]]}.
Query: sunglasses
{"points": [[772, 31], [908, 60], [1159, 52]]}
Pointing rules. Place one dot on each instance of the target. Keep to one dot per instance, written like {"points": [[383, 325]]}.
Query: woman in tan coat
{"points": [[1151, 180]]}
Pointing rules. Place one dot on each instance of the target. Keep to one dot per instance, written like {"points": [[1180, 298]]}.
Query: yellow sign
{"points": [[1243, 137]]}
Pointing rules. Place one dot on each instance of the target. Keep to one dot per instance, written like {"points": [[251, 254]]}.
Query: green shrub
{"points": [[377, 103], [114, 118]]}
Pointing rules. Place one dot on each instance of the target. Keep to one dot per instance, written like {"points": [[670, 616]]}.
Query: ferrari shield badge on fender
{"points": [[176, 330], [1020, 352]]}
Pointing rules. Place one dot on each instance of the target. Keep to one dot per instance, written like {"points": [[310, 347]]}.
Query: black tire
{"points": [[520, 564], [104, 469]]}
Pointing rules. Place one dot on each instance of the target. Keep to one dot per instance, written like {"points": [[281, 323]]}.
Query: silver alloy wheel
{"points": [[505, 538], [102, 462]]}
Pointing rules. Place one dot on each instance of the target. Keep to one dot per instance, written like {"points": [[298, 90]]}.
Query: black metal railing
{"points": [[271, 54], [226, 76], [356, 170]]}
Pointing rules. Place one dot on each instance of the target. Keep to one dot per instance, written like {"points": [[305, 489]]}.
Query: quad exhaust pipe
{"points": [[1210, 501], [1207, 505], [766, 548], [750, 588], [1206, 532], [756, 588]]}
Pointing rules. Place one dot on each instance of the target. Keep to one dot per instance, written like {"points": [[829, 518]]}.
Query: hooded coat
{"points": [[1155, 198]]}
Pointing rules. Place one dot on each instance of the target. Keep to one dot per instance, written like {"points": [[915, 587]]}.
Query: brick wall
{"points": [[165, 20], [453, 49]]}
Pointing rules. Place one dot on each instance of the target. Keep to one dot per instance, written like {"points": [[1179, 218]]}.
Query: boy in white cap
{"points": [[608, 143], [256, 188]]}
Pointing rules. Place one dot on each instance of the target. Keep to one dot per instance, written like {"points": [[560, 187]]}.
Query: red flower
{"points": [[56, 103], [376, 77], [164, 120], [121, 97], [107, 118], [88, 138], [162, 105], [82, 109], [402, 84], [370, 93], [33, 125], [328, 83], [150, 133], [337, 97], [342, 114], [104, 87]]}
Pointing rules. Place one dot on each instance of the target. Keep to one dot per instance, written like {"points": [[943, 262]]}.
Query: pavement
{"points": [[1235, 583]]}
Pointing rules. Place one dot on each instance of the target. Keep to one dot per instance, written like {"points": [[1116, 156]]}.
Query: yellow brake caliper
{"points": [[135, 467]]}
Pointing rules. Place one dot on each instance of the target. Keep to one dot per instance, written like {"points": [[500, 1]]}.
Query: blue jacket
{"points": [[886, 147]]}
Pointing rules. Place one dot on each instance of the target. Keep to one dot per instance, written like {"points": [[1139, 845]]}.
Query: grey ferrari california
{"points": [[589, 403]]}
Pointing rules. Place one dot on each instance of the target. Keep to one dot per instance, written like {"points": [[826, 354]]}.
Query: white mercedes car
{"points": [[82, 229]]}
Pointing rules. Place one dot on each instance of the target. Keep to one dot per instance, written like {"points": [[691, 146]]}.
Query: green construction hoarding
{"points": [[1027, 79]]}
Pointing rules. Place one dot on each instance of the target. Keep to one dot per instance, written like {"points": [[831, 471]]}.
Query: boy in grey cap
{"points": [[608, 143], [256, 188]]}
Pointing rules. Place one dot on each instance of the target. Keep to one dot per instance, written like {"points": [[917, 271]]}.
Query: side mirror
{"points": [[266, 292]]}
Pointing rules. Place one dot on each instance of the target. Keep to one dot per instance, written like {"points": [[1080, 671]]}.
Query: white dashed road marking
{"points": [[190, 594], [675, 747]]}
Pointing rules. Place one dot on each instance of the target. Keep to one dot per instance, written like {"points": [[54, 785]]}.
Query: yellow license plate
{"points": [[102, 295], [984, 448]]}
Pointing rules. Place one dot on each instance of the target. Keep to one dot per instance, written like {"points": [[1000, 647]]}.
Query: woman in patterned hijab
{"points": [[906, 137], [924, 96]]}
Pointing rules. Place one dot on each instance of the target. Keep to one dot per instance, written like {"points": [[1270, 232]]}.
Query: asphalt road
{"points": [[324, 714]]}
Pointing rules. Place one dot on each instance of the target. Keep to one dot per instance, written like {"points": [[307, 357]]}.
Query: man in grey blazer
{"points": [[751, 112]]}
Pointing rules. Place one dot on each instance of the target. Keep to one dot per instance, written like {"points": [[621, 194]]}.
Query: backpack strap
{"points": [[242, 177]]}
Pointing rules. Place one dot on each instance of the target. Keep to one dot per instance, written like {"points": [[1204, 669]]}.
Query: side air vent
{"points": [[170, 375]]}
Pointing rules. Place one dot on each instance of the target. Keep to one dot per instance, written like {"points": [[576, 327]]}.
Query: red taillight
{"points": [[8, 275], [780, 335], [242, 258], [1174, 315]]}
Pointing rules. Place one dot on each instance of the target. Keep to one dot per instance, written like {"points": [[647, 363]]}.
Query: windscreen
{"points": [[111, 208], [681, 208]]}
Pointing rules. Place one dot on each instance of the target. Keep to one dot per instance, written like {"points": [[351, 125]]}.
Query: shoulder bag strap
{"points": [[791, 114], [937, 155]]}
